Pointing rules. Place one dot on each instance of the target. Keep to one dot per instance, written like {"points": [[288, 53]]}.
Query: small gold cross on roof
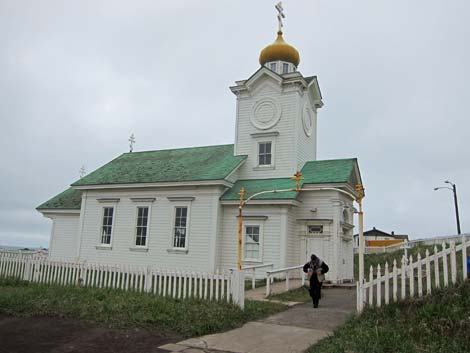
{"points": [[297, 177]]}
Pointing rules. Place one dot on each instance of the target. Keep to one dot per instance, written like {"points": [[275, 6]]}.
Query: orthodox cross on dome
{"points": [[82, 171], [280, 15], [131, 143]]}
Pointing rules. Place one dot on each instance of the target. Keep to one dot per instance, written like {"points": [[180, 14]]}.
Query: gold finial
{"points": [[242, 194], [360, 192], [297, 177]]}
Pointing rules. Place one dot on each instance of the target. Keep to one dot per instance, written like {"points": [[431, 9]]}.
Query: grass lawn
{"points": [[119, 309], [381, 258], [436, 323]]}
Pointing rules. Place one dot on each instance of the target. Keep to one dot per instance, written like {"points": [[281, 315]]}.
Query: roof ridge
{"points": [[333, 159], [178, 149]]}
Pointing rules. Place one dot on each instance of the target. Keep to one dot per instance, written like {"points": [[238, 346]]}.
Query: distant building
{"points": [[376, 238]]}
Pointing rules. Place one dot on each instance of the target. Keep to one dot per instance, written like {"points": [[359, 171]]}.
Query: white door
{"points": [[315, 245]]}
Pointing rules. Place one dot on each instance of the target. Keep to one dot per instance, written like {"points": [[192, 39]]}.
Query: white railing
{"points": [[384, 288], [253, 274], [172, 283], [287, 270]]}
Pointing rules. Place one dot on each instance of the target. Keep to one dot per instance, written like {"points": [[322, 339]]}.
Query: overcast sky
{"points": [[78, 77]]}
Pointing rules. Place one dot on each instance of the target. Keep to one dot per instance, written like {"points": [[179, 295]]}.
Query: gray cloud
{"points": [[76, 78]]}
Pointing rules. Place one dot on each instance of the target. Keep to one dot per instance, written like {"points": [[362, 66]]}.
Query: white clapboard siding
{"points": [[409, 277]]}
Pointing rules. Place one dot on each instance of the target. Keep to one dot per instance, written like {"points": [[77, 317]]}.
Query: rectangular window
{"points": [[273, 67], [264, 153], [107, 226], [315, 229], [179, 231], [252, 244], [285, 68], [141, 226]]}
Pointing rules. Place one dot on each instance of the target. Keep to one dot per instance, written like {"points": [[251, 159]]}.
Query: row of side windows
{"points": [[179, 229], [251, 243]]}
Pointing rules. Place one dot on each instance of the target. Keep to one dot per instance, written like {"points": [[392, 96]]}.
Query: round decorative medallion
{"points": [[307, 119], [266, 113]]}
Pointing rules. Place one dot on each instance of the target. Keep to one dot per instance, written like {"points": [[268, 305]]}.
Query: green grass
{"points": [[436, 323], [295, 295], [119, 309], [381, 258]]}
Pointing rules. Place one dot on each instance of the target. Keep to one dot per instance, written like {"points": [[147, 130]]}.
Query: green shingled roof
{"points": [[256, 185], [70, 199], [328, 171], [177, 165], [314, 172]]}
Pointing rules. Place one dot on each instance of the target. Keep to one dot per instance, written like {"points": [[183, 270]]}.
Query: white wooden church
{"points": [[177, 209]]}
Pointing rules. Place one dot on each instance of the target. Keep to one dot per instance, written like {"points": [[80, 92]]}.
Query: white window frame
{"points": [[100, 240], [261, 232], [285, 66], [315, 225], [172, 232], [134, 243], [258, 154]]}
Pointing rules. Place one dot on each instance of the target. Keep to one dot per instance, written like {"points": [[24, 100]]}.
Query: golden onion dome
{"points": [[279, 50]]}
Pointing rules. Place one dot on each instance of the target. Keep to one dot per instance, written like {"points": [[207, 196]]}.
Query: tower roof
{"points": [[279, 50]]}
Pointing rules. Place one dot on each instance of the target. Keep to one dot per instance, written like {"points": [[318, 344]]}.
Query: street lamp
{"points": [[454, 190]]}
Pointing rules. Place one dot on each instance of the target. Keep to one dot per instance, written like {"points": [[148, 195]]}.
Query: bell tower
{"points": [[276, 118]]}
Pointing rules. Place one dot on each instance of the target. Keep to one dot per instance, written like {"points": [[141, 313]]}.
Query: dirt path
{"points": [[57, 335]]}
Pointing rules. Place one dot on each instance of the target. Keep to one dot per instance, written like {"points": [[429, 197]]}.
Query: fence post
{"points": [[268, 284], [437, 277], [287, 281], [379, 286], [238, 288], [395, 281], [403, 277], [147, 279], [464, 257], [412, 277], [387, 284], [371, 287], [27, 270], [420, 276], [446, 271], [428, 273], [453, 263]]}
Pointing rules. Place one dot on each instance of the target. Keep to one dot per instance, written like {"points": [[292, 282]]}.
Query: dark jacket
{"points": [[324, 269]]}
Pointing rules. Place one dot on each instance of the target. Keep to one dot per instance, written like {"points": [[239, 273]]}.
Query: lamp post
{"points": [[454, 190], [464, 245]]}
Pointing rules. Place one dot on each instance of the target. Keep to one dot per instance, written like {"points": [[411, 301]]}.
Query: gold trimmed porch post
{"points": [[360, 196], [240, 228]]}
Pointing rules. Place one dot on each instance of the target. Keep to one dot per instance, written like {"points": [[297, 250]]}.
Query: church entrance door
{"points": [[316, 245]]}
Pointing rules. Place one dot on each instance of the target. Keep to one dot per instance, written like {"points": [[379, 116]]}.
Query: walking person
{"points": [[316, 270]]}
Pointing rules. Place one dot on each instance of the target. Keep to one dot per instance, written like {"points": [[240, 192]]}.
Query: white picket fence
{"points": [[172, 283], [415, 278]]}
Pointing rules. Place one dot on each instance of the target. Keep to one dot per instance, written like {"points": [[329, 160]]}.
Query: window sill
{"points": [[249, 261], [177, 251], [268, 167], [104, 247], [139, 249]]}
